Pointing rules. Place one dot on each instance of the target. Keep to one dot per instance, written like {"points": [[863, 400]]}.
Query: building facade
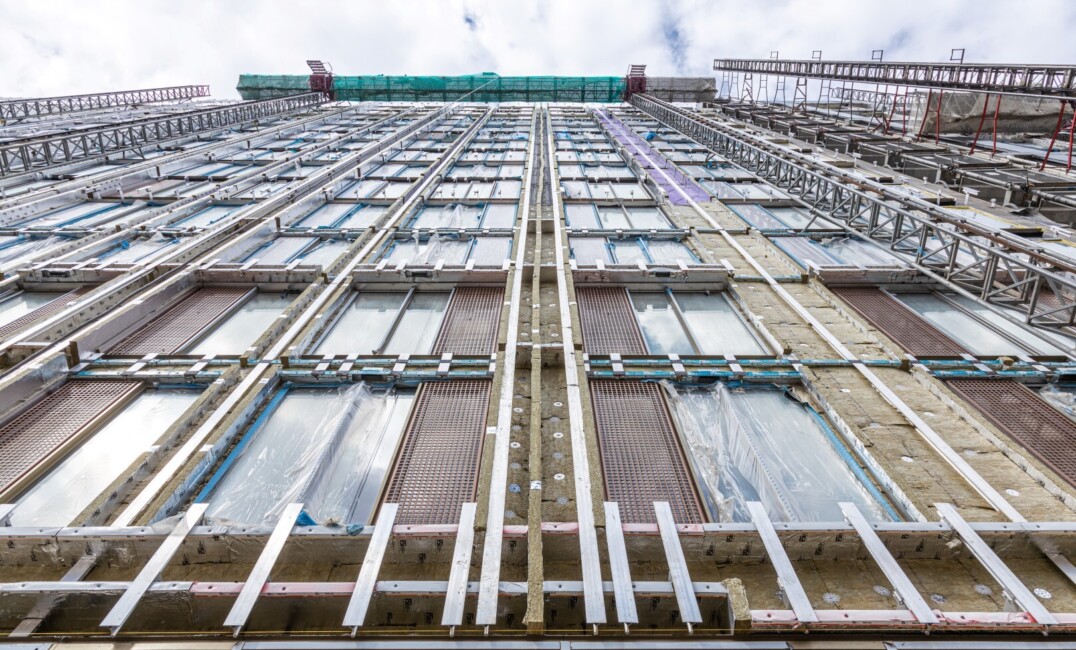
{"points": [[525, 375]]}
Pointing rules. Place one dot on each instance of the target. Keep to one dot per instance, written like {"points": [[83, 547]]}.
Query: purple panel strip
{"points": [[676, 184]]}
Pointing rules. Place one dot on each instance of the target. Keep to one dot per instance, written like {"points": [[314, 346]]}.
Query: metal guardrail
{"points": [[21, 109], [1029, 80], [33, 154], [995, 267]]}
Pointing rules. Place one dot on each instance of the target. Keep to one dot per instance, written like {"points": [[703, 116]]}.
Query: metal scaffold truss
{"points": [[32, 154], [21, 109], [988, 265], [1057, 81]]}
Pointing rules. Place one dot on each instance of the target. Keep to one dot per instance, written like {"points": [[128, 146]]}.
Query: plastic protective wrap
{"points": [[430, 251], [327, 449], [1061, 397], [761, 445]]}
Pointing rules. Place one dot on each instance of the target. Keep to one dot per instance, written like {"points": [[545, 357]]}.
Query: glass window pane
{"points": [[243, 327], [580, 216], [491, 251], [716, 326], [1039, 344], [363, 325], [970, 333], [419, 325], [499, 215], [613, 218], [662, 330], [627, 251], [587, 250], [279, 251], [669, 252], [78, 479], [23, 303], [325, 253], [648, 218]]}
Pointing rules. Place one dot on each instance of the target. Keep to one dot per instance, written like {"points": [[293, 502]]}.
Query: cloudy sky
{"points": [[55, 47]]}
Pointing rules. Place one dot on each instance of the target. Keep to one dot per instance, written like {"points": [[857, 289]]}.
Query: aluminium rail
{"points": [[33, 154], [1025, 80], [21, 109], [1001, 269]]}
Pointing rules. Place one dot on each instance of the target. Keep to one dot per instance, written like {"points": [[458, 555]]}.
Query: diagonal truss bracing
{"points": [[21, 109], [1030, 80], [990, 265], [32, 154]]}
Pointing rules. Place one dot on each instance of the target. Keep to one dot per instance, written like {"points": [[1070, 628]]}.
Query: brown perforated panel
{"points": [[918, 337], [437, 467], [41, 313], [1035, 425], [173, 329], [608, 321], [470, 326], [34, 434], [641, 457]]}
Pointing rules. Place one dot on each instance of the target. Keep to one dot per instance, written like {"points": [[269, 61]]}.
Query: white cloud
{"points": [[61, 47]]}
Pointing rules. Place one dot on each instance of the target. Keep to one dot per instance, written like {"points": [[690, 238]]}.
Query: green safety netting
{"points": [[485, 87]]}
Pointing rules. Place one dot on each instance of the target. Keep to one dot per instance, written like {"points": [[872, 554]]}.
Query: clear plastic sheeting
{"points": [[72, 485], [483, 251], [429, 252], [762, 445], [329, 449], [1062, 397], [457, 215]]}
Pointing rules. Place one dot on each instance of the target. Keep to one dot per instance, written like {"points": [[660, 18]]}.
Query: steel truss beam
{"points": [[878, 98], [33, 154], [1028, 80], [21, 109], [993, 267]]}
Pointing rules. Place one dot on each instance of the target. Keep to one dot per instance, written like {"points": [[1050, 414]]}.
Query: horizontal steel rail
{"points": [[993, 266], [21, 109], [1028, 80], [37, 153]]}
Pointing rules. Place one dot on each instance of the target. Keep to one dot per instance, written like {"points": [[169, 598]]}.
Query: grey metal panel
{"points": [[259, 575], [355, 616], [153, 568], [911, 597], [786, 574], [678, 573], [993, 564], [626, 611], [456, 595]]}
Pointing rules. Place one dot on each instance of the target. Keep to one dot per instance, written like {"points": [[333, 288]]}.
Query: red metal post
{"points": [[937, 119], [926, 111], [1072, 127], [982, 119], [997, 111], [1053, 139]]}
